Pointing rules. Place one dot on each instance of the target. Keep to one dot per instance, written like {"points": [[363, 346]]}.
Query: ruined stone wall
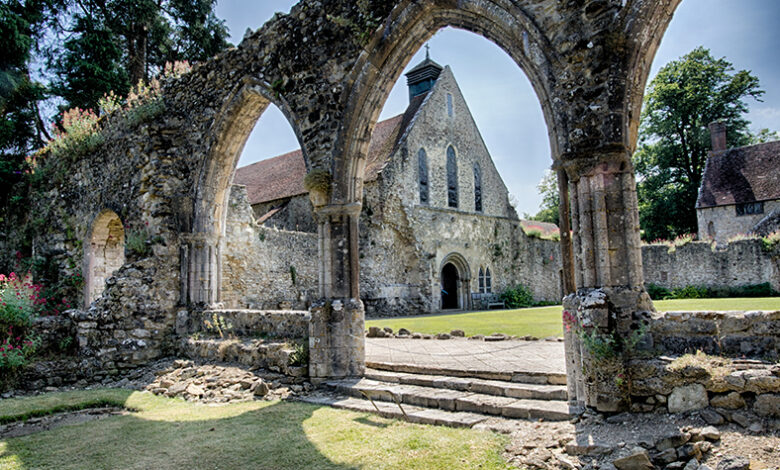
{"points": [[721, 360], [265, 268], [726, 223], [737, 264], [296, 214]]}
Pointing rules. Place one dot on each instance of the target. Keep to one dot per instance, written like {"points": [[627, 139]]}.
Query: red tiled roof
{"points": [[281, 177], [742, 174], [274, 178]]}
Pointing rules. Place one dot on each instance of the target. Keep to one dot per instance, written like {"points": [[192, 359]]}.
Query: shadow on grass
{"points": [[371, 421], [178, 435]]}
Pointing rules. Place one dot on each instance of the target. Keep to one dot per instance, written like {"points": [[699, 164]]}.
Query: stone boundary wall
{"points": [[731, 334], [736, 264]]}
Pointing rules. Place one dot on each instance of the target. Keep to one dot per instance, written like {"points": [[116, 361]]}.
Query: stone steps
{"points": [[474, 385], [452, 400], [276, 356], [529, 377], [411, 413]]}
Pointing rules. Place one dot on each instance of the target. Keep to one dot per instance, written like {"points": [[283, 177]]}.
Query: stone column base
{"points": [[336, 339], [599, 326]]}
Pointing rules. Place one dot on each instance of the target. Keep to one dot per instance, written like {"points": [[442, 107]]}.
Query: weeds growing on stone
{"points": [[715, 366]]}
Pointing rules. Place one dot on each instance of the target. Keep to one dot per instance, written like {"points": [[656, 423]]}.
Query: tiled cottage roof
{"points": [[274, 178], [743, 174], [281, 177]]}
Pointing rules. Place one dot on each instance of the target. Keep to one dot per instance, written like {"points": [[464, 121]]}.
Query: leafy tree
{"points": [[548, 188], [681, 101], [116, 43], [90, 66], [763, 136], [22, 129]]}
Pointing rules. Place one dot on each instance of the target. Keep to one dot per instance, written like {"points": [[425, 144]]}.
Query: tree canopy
{"points": [[116, 43], [89, 48], [548, 189], [681, 101]]}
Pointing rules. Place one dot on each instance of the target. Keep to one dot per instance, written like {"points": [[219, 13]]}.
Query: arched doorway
{"points": [[449, 287], [454, 282], [105, 253]]}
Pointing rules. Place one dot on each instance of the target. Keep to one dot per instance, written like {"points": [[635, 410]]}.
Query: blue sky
{"points": [[501, 98]]}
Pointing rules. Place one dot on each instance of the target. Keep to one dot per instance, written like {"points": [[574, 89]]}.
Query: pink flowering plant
{"points": [[78, 133], [20, 303], [15, 349], [20, 300]]}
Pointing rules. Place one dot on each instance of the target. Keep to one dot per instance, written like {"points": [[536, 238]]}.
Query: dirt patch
{"points": [[45, 423], [595, 443]]}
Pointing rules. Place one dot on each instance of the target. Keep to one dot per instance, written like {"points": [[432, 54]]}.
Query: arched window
{"points": [[488, 281], [481, 280], [452, 178], [477, 188], [422, 168], [105, 253]]}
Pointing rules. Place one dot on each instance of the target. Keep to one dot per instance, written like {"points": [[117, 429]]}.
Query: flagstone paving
{"points": [[501, 359]]}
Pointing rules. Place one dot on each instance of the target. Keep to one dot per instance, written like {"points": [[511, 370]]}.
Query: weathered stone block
{"points": [[688, 398], [767, 404]]}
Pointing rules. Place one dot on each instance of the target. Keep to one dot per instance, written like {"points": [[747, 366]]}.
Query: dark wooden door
{"points": [[449, 287]]}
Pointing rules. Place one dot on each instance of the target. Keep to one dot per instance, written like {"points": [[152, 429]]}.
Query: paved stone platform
{"points": [[496, 359]]}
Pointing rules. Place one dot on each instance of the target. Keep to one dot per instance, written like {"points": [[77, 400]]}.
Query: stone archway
{"points": [[587, 61], [104, 253], [201, 257]]}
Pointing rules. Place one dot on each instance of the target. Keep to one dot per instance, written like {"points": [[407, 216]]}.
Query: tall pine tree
{"points": [[116, 43]]}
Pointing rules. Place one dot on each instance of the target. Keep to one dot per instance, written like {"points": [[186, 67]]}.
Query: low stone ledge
{"points": [[245, 322], [742, 391], [276, 356]]}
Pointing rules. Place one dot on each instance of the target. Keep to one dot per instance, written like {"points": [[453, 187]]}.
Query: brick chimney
{"points": [[718, 136]]}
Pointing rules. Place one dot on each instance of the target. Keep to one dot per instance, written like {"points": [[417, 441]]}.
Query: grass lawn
{"points": [[165, 433], [546, 321]]}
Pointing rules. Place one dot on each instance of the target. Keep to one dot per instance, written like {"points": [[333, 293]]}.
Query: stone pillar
{"points": [[336, 328], [610, 298], [201, 273]]}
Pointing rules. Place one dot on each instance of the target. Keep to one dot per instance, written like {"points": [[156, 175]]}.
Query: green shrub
{"points": [[136, 242], [657, 292], [20, 304], [690, 292], [771, 241], [747, 290], [80, 133], [300, 357], [518, 296]]}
